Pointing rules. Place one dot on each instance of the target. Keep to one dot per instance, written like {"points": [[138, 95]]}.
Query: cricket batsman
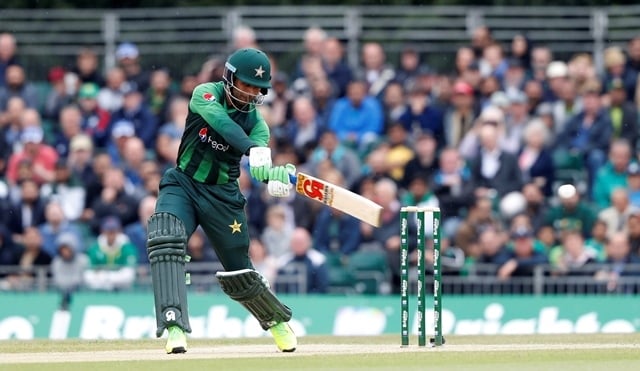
{"points": [[222, 126]]}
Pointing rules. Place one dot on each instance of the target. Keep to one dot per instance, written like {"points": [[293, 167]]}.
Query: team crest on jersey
{"points": [[209, 97], [203, 134]]}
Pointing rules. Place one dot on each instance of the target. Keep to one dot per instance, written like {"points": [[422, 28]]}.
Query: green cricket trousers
{"points": [[218, 208]]}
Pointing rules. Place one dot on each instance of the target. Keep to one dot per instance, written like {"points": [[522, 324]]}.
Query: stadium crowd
{"points": [[488, 141]]}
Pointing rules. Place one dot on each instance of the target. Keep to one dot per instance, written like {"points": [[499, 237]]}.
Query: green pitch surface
{"points": [[534, 352]]}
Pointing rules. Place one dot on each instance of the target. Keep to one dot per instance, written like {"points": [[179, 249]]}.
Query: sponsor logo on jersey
{"points": [[205, 138], [203, 134], [209, 97]]}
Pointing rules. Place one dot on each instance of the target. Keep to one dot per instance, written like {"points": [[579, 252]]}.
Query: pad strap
{"points": [[251, 289], [166, 247]]}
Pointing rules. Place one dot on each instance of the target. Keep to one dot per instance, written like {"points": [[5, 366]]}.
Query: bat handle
{"points": [[293, 179]]}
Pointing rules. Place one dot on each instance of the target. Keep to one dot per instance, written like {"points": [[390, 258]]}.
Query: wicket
{"points": [[420, 212]]}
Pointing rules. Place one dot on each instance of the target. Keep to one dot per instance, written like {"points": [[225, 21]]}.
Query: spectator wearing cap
{"points": [[623, 114], [522, 257], [515, 76], [66, 189], [571, 212], [8, 47], [61, 94], [617, 215], [615, 63], [587, 135], [534, 158], [110, 96], [516, 121], [18, 86], [557, 72], [42, 157], [112, 258], [128, 58], [67, 267], [135, 110], [422, 115], [56, 224], [612, 174], [95, 119], [80, 157], [87, 67], [459, 117], [121, 132]]}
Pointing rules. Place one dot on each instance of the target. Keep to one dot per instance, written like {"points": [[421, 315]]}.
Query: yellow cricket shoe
{"points": [[284, 337], [177, 341]]}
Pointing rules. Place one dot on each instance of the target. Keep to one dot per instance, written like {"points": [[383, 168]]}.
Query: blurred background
{"points": [[520, 122]]}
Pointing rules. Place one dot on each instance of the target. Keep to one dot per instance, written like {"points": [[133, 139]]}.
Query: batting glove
{"points": [[279, 184], [260, 163]]}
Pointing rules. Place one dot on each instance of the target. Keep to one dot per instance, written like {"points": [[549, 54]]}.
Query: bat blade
{"points": [[338, 198]]}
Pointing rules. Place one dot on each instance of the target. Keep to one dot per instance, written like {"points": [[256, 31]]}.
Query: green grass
{"points": [[562, 353]]}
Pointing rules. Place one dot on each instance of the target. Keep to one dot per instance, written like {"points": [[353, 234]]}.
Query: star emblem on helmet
{"points": [[259, 72]]}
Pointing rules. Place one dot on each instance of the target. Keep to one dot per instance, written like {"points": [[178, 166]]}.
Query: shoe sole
{"points": [[178, 350], [289, 350]]}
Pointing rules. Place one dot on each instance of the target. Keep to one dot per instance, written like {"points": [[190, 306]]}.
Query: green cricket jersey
{"points": [[216, 136]]}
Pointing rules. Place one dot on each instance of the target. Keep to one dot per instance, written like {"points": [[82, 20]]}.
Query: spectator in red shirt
{"points": [[43, 157]]}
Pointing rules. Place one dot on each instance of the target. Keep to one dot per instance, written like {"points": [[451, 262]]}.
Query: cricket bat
{"points": [[338, 198]]}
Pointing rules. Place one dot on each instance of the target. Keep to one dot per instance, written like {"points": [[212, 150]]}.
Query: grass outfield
{"points": [[533, 352]]}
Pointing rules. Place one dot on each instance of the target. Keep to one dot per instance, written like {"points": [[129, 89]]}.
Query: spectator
{"points": [[541, 56], [534, 91], [465, 57], [56, 225], [323, 98], [314, 39], [112, 259], [264, 263], [410, 66], [11, 125], [16, 85], [375, 71], [623, 114], [304, 128], [339, 155], [634, 235], [633, 53], [135, 111], [571, 212], [523, 258], [619, 264], [87, 67], [128, 58], [398, 151], [42, 157], [581, 70], [122, 131], [536, 205], [451, 187], [336, 232], [495, 172], [515, 122], [568, 104], [110, 96], [422, 116], [277, 233], [459, 118], [134, 154], [394, 105], [7, 54], [32, 258], [27, 211], [70, 121], [587, 135], [424, 160], [9, 251], [243, 37], [63, 92], [470, 143], [137, 231], [95, 119], [617, 215], [557, 75], [481, 38], [68, 267], [633, 183], [534, 159], [336, 68], [199, 249], [574, 256], [491, 252], [357, 118], [599, 238], [159, 95], [302, 254], [479, 218], [113, 200], [79, 159], [615, 69], [613, 174], [520, 50], [170, 133], [493, 62]]}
